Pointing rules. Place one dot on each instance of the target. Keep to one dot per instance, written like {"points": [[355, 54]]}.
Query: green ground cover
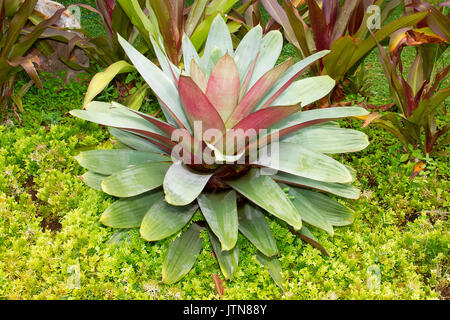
{"points": [[397, 247]]}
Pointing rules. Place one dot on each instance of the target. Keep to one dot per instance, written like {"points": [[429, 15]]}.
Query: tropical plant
{"points": [[419, 95], [339, 26], [188, 174], [140, 23], [15, 46]]}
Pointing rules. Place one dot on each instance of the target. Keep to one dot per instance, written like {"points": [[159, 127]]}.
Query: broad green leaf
{"points": [[305, 91], [134, 100], [220, 211], [101, 79], [289, 76], [116, 118], [428, 106], [326, 114], [415, 74], [340, 189], [93, 180], [269, 52], [171, 71], [329, 139], [220, 5], [253, 225], [218, 37], [274, 268], [163, 86], [129, 212], [134, 141], [181, 255], [228, 260], [107, 162], [200, 34], [194, 17], [163, 220], [136, 180], [182, 186], [247, 51], [15, 26], [334, 212], [266, 193], [308, 212], [139, 20], [303, 162], [189, 54]]}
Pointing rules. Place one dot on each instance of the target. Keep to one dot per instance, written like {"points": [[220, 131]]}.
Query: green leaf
{"points": [[274, 268], [189, 54], [93, 180], [329, 139], [228, 260], [129, 212], [220, 211], [107, 162], [303, 162], [146, 27], [253, 225], [266, 193], [308, 211], [335, 213], [341, 189], [247, 51], [134, 141], [194, 17], [136, 180], [326, 114], [102, 79], [163, 220], [181, 255], [269, 52], [111, 115], [163, 86], [305, 91], [16, 25], [218, 37], [182, 186], [427, 107], [290, 75]]}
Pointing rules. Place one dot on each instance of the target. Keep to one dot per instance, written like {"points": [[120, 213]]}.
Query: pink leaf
{"points": [[198, 107], [223, 86], [257, 92]]}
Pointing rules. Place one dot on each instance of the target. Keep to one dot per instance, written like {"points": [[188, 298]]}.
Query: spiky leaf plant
{"points": [[165, 172]]}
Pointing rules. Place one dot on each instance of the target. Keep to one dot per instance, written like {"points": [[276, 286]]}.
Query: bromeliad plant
{"points": [[420, 95], [165, 172]]}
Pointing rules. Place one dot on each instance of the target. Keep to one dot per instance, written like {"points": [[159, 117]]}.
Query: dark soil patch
{"points": [[48, 223], [51, 224]]}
